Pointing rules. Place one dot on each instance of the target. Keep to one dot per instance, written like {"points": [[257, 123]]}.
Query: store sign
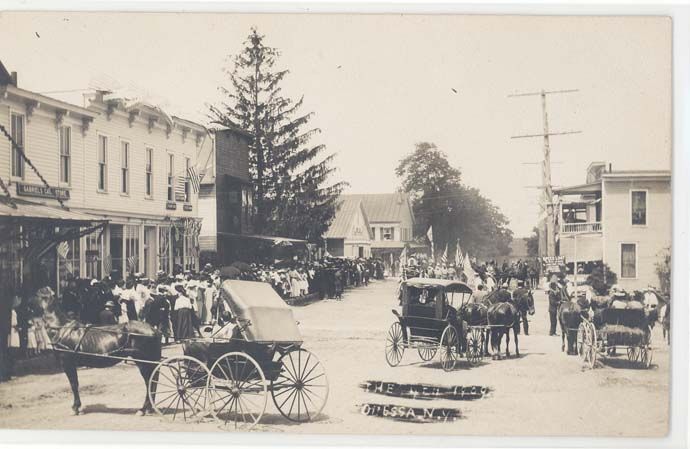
{"points": [[171, 205], [42, 191], [187, 207], [553, 263]]}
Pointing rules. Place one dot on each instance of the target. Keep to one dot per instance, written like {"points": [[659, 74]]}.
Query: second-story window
{"points": [[17, 133], [65, 134], [102, 163], [171, 177], [638, 202], [388, 233], [187, 184], [149, 172], [124, 164]]}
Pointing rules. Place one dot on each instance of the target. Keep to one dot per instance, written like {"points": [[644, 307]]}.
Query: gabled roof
{"points": [[5, 77], [344, 218], [383, 207]]}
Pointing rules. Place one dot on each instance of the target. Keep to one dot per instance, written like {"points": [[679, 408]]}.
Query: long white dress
{"points": [[14, 332]]}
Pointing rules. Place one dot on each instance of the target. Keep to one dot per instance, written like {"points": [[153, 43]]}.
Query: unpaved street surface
{"points": [[543, 392]]}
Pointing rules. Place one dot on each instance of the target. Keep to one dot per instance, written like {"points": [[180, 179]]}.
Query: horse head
{"points": [[530, 302]]}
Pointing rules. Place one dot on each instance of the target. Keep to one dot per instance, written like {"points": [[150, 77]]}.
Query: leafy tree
{"points": [[455, 211], [601, 278], [663, 270], [533, 243], [292, 193]]}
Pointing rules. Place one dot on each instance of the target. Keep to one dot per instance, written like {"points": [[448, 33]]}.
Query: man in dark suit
{"points": [[554, 301]]}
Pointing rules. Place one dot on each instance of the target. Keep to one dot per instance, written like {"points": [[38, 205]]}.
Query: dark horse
{"points": [[502, 316], [570, 317], [74, 340]]}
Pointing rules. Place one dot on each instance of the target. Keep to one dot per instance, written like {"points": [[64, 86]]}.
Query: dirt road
{"points": [[543, 392]]}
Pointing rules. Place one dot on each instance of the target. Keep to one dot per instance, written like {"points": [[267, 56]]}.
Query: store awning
{"points": [[581, 189], [266, 238], [29, 211]]}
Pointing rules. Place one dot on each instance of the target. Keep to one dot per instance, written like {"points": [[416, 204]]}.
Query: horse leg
{"points": [[562, 337], [507, 332], [70, 368], [146, 370], [516, 331]]}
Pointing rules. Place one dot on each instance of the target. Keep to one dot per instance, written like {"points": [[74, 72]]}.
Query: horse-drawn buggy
{"points": [[613, 328], [227, 376], [431, 322]]}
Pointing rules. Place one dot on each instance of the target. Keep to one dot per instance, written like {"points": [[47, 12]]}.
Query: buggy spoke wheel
{"points": [[582, 331], [301, 389], [395, 345], [475, 346], [448, 347], [177, 388], [427, 352], [634, 353], [645, 356], [237, 391], [590, 346]]}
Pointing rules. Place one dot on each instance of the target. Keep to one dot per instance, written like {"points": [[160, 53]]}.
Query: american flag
{"points": [[131, 264], [444, 256], [194, 179], [63, 249]]}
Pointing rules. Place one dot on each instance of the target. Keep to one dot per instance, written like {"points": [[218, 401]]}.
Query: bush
{"points": [[601, 279]]}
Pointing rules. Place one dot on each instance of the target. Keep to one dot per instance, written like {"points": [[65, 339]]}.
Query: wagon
{"points": [[431, 323], [230, 375], [610, 329]]}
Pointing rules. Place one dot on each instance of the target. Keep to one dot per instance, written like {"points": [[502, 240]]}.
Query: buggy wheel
{"points": [[395, 344], [427, 352], [582, 331], [645, 356], [177, 388], [448, 347], [301, 389], [237, 390], [475, 346], [634, 353]]}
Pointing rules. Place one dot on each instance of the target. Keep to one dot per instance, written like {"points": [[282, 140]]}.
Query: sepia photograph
{"points": [[336, 224]]}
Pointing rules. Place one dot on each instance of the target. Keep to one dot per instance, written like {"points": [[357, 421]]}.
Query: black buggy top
{"points": [[433, 298]]}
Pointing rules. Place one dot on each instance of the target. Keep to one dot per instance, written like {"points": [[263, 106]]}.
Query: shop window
{"points": [[628, 260], [17, 133], [131, 248], [164, 249], [638, 202], [93, 255], [69, 260]]}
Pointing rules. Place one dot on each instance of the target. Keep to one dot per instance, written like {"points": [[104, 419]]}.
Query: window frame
{"points": [[61, 182], [126, 142], [170, 177], [14, 112], [148, 171], [620, 258], [105, 162], [646, 205]]}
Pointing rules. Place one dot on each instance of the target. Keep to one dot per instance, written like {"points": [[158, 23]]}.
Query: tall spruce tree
{"points": [[292, 192]]}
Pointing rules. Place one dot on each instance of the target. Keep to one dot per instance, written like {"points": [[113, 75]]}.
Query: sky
{"points": [[378, 84]]}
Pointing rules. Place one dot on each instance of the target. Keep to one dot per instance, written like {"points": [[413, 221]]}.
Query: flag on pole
{"points": [[194, 179], [444, 256], [430, 236], [107, 264], [63, 249], [467, 269], [131, 264], [403, 257], [458, 255]]}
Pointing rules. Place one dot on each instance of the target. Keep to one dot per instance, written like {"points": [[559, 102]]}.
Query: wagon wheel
{"points": [[301, 389], [395, 344], [427, 352], [475, 346], [177, 388], [448, 347], [634, 353], [645, 358], [582, 330], [237, 391]]}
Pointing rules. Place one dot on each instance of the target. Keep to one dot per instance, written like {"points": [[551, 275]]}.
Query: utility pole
{"points": [[547, 234]]}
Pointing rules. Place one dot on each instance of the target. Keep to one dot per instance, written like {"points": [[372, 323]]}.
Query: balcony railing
{"points": [[579, 228]]}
